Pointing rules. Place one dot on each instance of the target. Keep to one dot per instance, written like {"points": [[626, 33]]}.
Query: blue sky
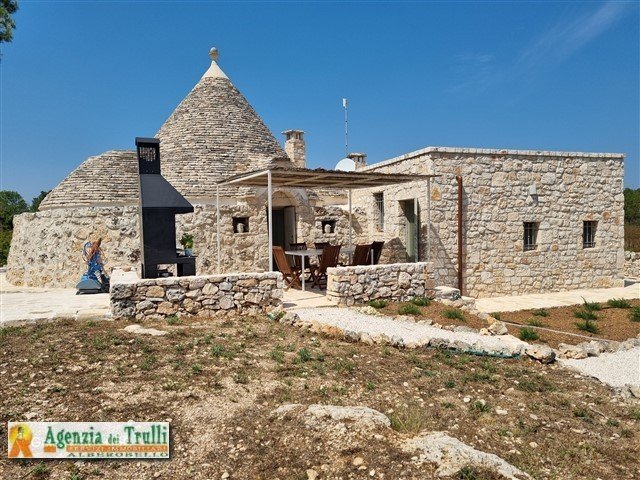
{"points": [[81, 78]]}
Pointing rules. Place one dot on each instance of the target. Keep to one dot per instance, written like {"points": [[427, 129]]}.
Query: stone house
{"points": [[531, 221]]}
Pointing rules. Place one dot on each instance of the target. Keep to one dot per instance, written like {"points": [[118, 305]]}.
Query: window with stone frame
{"points": [[530, 236], [589, 228], [379, 201]]}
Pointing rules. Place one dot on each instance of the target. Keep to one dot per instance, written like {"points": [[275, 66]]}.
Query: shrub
{"points": [[618, 303], [378, 303], [173, 320], [591, 306], [496, 315], [585, 314], [304, 354], [409, 309], [587, 326], [480, 407], [634, 314], [528, 334], [534, 322], [540, 312], [453, 313], [421, 301]]}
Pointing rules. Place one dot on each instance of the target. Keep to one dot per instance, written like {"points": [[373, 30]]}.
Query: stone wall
{"points": [[197, 295], [394, 282], [631, 265], [46, 246], [570, 188]]}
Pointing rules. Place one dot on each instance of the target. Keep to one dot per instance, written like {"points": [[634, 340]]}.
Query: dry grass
{"points": [[218, 380]]}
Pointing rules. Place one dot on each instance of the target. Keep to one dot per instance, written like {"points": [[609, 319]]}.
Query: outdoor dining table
{"points": [[314, 252]]}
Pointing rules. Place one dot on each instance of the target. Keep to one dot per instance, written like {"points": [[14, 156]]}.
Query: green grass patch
{"points": [[421, 301], [173, 320], [527, 334], [480, 407], [378, 303], [534, 322], [496, 315], [591, 306], [585, 314], [409, 309], [634, 314], [453, 314], [587, 326], [540, 312], [618, 303]]}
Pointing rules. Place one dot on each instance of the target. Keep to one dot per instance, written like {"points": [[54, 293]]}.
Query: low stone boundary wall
{"points": [[631, 267], [197, 295], [393, 282]]}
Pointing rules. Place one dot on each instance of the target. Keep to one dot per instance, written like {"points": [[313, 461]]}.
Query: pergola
{"points": [[318, 178]]}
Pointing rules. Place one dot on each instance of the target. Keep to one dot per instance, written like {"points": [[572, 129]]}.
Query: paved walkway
{"points": [[20, 305], [616, 369], [294, 299], [557, 299]]}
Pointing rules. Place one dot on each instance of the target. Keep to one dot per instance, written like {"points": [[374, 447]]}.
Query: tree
{"points": [[35, 203], [632, 206], [11, 203], [7, 24]]}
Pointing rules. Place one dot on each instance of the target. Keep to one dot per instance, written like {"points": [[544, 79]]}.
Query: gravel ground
{"points": [[616, 369], [350, 319]]}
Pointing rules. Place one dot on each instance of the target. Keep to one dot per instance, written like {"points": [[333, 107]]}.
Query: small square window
{"points": [[240, 224], [589, 233], [379, 200], [530, 238], [328, 226]]}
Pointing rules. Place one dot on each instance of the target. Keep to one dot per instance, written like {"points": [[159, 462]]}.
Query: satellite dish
{"points": [[346, 165]]}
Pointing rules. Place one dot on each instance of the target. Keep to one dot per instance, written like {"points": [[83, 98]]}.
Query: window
{"points": [[328, 226], [379, 199], [589, 233], [240, 224], [530, 236]]}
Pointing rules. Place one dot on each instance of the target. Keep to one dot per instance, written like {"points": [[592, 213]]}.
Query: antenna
{"points": [[345, 105]]}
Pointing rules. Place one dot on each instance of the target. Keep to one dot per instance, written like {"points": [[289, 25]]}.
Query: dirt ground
{"points": [[218, 380], [613, 323]]}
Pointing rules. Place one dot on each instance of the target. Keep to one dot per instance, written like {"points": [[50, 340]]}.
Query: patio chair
{"points": [[290, 274], [320, 246], [329, 259], [361, 255], [376, 251]]}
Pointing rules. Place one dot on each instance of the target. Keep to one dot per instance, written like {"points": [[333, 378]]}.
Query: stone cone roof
{"points": [[107, 179], [214, 133]]}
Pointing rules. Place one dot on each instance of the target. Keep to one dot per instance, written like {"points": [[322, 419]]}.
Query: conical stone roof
{"points": [[214, 133]]}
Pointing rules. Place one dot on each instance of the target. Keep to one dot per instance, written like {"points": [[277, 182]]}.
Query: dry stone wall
{"points": [[197, 295], [632, 265], [569, 189], [394, 282]]}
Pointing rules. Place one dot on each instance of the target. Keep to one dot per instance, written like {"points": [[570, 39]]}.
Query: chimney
{"points": [[295, 148], [359, 159]]}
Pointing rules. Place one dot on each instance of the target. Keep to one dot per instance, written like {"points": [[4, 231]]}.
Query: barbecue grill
{"points": [[160, 202]]}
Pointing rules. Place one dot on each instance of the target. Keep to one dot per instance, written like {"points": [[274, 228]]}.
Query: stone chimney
{"points": [[295, 147], [359, 159]]}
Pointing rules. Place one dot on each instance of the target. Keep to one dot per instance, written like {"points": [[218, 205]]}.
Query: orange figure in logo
{"points": [[20, 437]]}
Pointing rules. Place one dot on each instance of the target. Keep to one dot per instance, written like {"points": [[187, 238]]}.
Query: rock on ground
{"points": [[451, 455], [617, 369], [139, 329]]}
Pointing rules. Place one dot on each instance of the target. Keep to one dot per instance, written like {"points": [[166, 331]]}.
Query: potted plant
{"points": [[187, 243]]}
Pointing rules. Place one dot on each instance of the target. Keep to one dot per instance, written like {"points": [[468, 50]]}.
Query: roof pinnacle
{"points": [[213, 54]]}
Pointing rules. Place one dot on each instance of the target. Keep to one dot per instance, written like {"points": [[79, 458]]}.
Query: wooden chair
{"points": [[290, 274], [361, 255], [376, 251], [329, 259], [320, 246]]}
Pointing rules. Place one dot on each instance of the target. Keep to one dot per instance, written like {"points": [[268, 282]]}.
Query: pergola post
{"points": [[269, 220], [218, 223], [416, 219], [429, 219], [350, 220]]}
